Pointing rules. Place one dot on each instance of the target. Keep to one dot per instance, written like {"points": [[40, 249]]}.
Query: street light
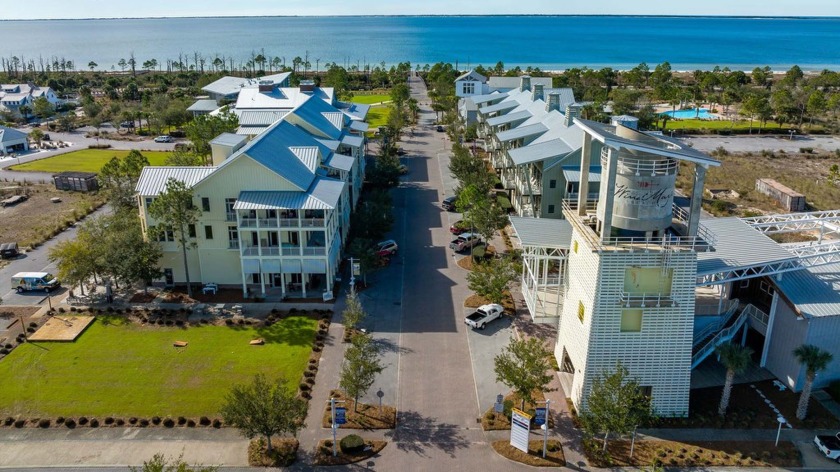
{"points": [[781, 419], [792, 132]]}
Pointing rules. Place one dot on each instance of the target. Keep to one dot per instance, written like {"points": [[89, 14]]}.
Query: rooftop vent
{"points": [[553, 103], [539, 92], [266, 86], [525, 83], [307, 86], [572, 112]]}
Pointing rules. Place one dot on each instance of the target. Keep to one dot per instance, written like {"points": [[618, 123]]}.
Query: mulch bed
{"points": [[283, 453], [492, 421], [9, 311], [475, 301], [747, 410], [141, 297], [466, 262], [323, 453], [694, 454], [367, 416], [554, 453]]}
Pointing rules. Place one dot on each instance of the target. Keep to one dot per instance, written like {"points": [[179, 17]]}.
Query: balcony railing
{"points": [[291, 250], [248, 223], [250, 251], [233, 244], [271, 251], [230, 216], [312, 222], [281, 222], [314, 251], [646, 300]]}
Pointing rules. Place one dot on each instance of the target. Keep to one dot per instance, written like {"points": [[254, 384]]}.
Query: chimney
{"points": [[524, 83], [539, 92], [572, 112], [266, 86], [307, 86], [553, 102]]}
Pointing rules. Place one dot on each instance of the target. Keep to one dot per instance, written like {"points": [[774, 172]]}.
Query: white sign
{"points": [[357, 268], [520, 428]]}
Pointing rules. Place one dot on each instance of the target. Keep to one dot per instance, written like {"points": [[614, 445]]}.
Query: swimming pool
{"points": [[691, 114]]}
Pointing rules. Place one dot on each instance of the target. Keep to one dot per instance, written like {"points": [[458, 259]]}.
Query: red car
{"points": [[458, 227], [386, 248]]}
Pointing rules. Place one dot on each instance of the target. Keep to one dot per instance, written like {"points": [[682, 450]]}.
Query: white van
{"points": [[45, 281]]}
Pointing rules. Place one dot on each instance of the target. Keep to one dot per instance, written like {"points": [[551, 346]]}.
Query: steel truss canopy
{"points": [[803, 256]]}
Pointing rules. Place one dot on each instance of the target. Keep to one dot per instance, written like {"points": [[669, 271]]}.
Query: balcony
{"points": [[272, 223], [248, 223], [314, 251], [271, 250], [250, 251], [646, 300], [312, 222], [291, 250]]}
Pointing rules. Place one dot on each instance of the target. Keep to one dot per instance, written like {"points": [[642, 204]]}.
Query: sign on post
{"points": [[539, 417], [340, 415], [520, 428], [357, 268]]}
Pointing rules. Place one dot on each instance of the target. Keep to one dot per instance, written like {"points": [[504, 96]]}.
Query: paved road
{"points": [[760, 143]]}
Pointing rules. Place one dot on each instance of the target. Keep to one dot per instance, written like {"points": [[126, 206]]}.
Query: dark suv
{"points": [[448, 203]]}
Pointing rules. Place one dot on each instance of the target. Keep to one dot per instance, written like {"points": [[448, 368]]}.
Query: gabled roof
{"points": [[539, 152], [360, 126], [472, 75], [321, 116], [490, 97], [8, 135], [228, 139], [543, 232], [259, 117], [521, 132], [341, 162], [815, 292], [505, 105], [229, 85], [324, 194], [152, 181], [280, 98], [513, 82], [356, 111]]}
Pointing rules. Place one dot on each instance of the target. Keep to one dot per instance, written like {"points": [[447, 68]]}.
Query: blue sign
{"points": [[340, 415], [539, 417]]}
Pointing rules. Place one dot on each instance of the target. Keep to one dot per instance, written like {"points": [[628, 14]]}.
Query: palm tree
{"points": [[814, 359], [735, 358]]}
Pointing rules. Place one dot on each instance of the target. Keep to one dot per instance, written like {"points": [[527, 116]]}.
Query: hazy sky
{"points": [[160, 8]]}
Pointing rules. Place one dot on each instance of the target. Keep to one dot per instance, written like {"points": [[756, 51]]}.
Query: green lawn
{"points": [[377, 116], [719, 125], [86, 160], [370, 99], [121, 369]]}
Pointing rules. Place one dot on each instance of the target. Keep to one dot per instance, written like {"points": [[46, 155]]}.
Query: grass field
{"points": [[370, 98], [120, 369], [720, 125], [85, 160], [377, 116]]}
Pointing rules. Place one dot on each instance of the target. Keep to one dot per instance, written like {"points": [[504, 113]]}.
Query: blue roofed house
{"points": [[275, 209]]}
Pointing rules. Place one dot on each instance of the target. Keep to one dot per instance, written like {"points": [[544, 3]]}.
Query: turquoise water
{"points": [[548, 42], [691, 113]]}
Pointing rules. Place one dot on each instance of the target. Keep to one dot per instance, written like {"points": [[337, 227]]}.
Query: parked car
{"points": [[400, 152], [127, 124], [440, 128], [23, 281], [163, 139], [484, 315], [829, 446], [458, 227], [464, 242], [448, 203], [13, 200], [8, 250], [386, 248]]}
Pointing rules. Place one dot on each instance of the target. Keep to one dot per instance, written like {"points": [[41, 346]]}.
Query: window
{"points": [[231, 214], [581, 311], [631, 321], [205, 203], [646, 390], [575, 246], [469, 88], [191, 229], [552, 183], [208, 232], [233, 235], [766, 288], [149, 201], [551, 208]]}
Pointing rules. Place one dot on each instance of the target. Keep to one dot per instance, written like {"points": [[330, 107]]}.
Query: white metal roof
{"points": [[814, 292], [508, 118], [324, 194], [152, 181], [521, 132], [542, 232], [503, 83], [539, 152], [259, 117], [203, 105], [229, 139], [572, 173], [341, 162], [738, 245], [505, 105], [10, 135], [352, 140], [359, 126]]}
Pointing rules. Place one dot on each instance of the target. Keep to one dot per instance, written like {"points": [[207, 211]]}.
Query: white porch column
{"points": [[303, 283], [768, 334], [282, 282], [608, 191], [585, 162], [696, 200]]}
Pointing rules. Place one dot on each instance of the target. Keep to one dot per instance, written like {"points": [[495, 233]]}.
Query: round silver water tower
{"points": [[644, 188]]}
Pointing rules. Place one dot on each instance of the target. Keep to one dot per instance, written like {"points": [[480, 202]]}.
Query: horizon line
{"points": [[789, 17]]}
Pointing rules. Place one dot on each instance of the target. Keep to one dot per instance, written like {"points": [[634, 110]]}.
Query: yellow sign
{"points": [[522, 413]]}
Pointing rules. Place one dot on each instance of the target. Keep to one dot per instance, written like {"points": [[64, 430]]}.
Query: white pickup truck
{"points": [[829, 446], [484, 315]]}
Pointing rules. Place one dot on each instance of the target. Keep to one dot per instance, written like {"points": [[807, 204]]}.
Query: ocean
{"points": [[547, 42]]}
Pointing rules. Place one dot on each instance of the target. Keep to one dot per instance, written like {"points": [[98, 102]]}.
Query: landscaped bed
{"points": [[554, 453], [695, 454], [119, 368], [86, 160], [365, 417], [747, 410], [324, 454], [493, 421]]}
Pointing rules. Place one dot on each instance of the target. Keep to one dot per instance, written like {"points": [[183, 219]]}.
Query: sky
{"points": [[53, 9]]}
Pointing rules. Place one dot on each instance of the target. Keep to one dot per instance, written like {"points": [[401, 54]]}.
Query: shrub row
{"points": [[110, 421]]}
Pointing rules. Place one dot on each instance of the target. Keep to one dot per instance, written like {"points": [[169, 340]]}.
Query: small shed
{"points": [[790, 199], [77, 181]]}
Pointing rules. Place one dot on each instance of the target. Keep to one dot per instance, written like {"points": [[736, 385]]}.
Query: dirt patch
{"points": [[475, 301], [554, 453], [9, 311], [62, 328], [38, 219], [283, 452], [141, 297], [365, 417], [694, 454]]}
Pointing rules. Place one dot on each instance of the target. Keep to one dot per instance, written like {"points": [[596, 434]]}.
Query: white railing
{"points": [[314, 251], [248, 223], [630, 165], [644, 300], [755, 314], [268, 222], [250, 251], [715, 309], [271, 251], [291, 250], [310, 222], [714, 327], [230, 216], [680, 213], [720, 338], [289, 222], [234, 244]]}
